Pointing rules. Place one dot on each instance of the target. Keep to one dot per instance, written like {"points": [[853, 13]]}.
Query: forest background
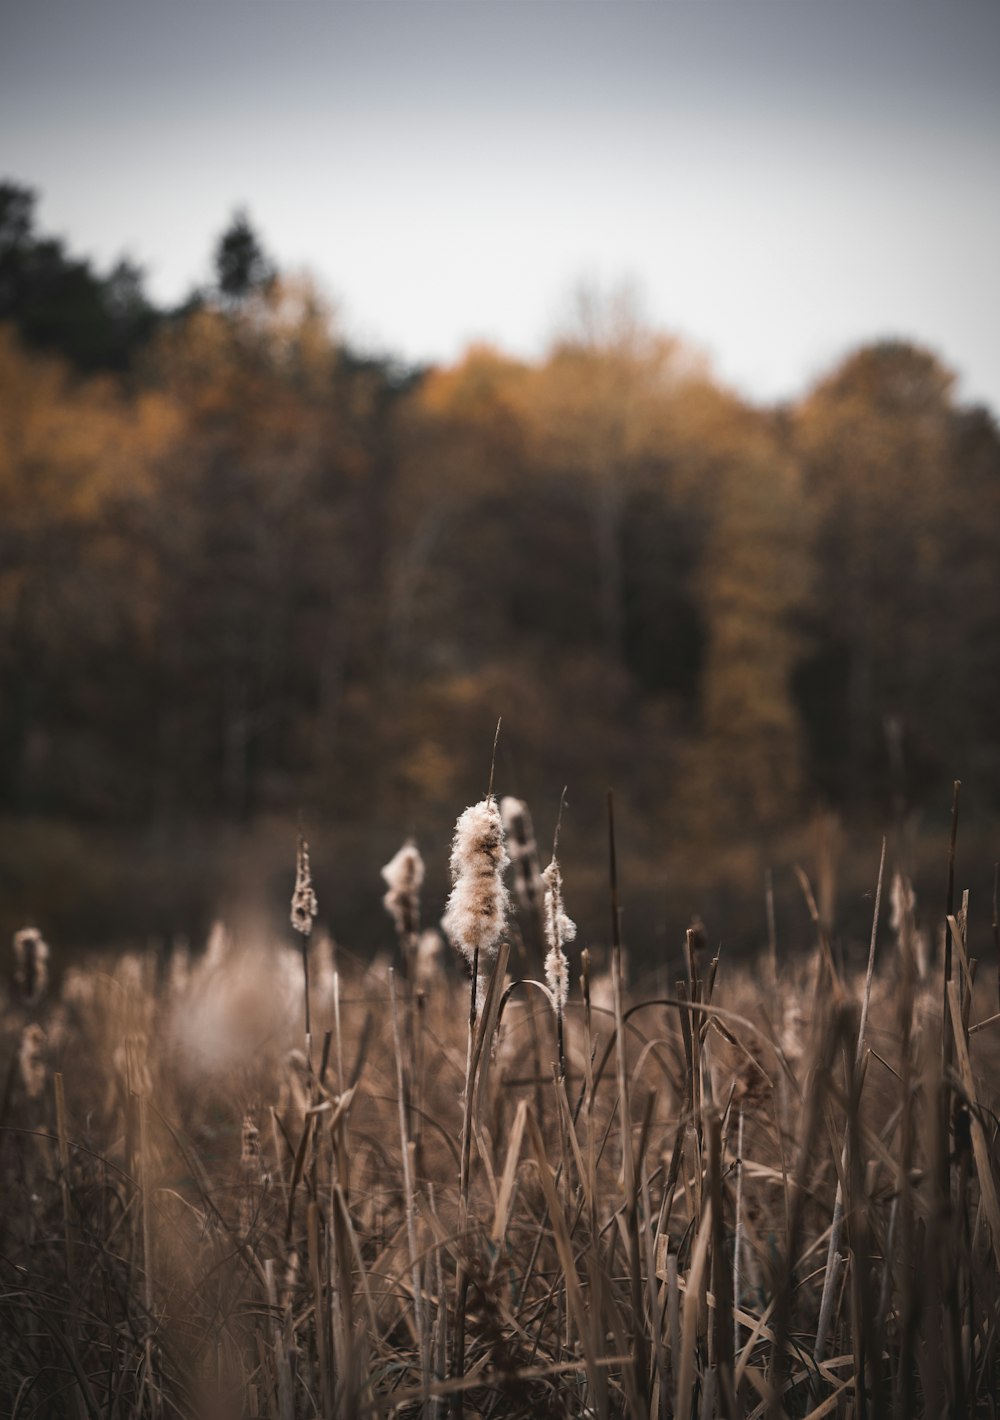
{"points": [[250, 577]]}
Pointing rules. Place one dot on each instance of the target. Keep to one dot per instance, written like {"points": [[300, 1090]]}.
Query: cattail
{"points": [[404, 875], [477, 908], [922, 952], [303, 917], [250, 1150], [793, 1024], [902, 900], [31, 1062], [909, 940], [428, 963], [559, 929], [523, 851], [31, 955], [303, 898], [253, 1171], [217, 948], [57, 1029], [78, 989]]}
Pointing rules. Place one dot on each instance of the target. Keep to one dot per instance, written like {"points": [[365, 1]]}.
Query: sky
{"points": [[778, 180]]}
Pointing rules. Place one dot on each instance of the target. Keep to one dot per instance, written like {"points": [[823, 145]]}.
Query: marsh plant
{"points": [[295, 1181]]}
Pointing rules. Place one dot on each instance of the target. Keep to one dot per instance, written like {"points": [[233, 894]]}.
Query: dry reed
{"points": [[775, 1191]]}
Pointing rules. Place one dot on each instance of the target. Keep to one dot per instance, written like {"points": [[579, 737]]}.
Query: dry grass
{"points": [[199, 1222]]}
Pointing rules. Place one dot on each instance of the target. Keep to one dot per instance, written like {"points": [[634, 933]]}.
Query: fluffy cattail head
{"points": [[79, 989], [903, 902], [250, 1152], [31, 1061], [910, 941], [404, 875], [218, 947], [792, 1027], [428, 964], [303, 898], [31, 955], [477, 908], [559, 929], [253, 1172]]}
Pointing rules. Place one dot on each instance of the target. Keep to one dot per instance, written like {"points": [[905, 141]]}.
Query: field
{"points": [[232, 1188]]}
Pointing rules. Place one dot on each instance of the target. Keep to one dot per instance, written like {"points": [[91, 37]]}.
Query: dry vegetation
{"points": [[772, 1191]]}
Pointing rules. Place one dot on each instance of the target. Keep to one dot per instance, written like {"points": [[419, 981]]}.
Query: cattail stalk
{"points": [[946, 1044], [474, 920], [404, 876], [462, 1276], [558, 930], [303, 916], [31, 1061], [476, 912], [738, 1236], [418, 1304], [31, 971], [624, 1109]]}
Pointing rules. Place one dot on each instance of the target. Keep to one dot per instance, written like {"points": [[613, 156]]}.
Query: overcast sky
{"points": [[779, 180]]}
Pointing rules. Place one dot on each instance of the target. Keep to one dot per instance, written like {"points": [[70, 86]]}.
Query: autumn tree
{"points": [[59, 303], [242, 267], [77, 476], [753, 584], [904, 486], [275, 536]]}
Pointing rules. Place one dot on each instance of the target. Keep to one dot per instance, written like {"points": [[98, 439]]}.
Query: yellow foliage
{"points": [[66, 447]]}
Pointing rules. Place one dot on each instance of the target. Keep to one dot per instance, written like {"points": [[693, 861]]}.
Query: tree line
{"points": [[245, 571]]}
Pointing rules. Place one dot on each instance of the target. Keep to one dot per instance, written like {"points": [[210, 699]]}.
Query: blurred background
{"points": [[370, 371]]}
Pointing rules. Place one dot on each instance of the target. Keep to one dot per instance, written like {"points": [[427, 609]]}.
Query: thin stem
{"points": [[305, 993], [462, 1276], [946, 1046], [493, 760]]}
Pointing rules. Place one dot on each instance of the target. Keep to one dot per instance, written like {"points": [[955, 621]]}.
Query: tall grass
{"points": [[771, 1191]]}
